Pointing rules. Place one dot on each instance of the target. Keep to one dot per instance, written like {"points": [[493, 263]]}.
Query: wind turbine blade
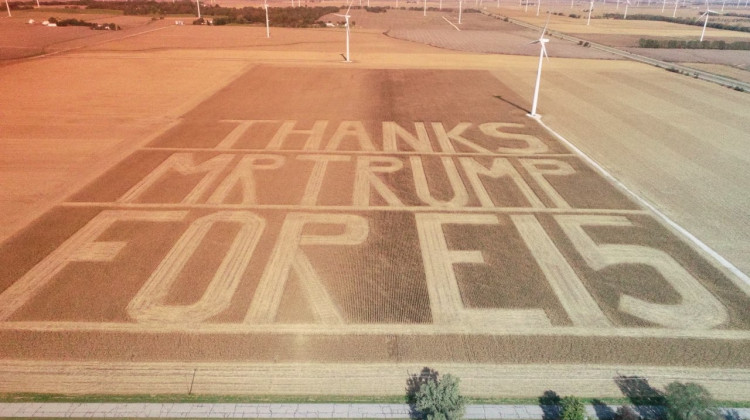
{"points": [[350, 6], [544, 51]]}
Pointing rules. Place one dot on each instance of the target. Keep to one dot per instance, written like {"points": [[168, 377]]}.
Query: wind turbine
{"points": [[705, 22], [198, 2], [542, 53], [460, 9], [591, 7], [663, 5], [538, 6], [627, 3], [268, 30], [346, 17], [8, 7], [425, 8], [722, 5], [676, 2]]}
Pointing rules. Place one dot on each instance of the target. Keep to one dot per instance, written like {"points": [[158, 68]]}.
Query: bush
{"points": [[440, 399], [690, 401], [572, 409], [376, 9]]}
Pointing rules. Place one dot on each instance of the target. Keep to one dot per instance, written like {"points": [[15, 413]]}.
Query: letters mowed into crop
{"points": [[291, 222]]}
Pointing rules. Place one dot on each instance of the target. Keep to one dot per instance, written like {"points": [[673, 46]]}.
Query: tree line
{"points": [[694, 45], [680, 20]]}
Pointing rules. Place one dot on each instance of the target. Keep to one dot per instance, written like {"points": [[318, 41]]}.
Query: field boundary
{"points": [[374, 379]]}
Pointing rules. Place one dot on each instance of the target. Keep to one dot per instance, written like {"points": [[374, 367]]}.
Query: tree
{"points": [[690, 401], [572, 409], [439, 399]]}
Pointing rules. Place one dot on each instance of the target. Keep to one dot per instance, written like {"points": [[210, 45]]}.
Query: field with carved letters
{"points": [[330, 229]]}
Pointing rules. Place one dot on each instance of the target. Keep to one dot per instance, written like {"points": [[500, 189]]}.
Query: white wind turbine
{"points": [[542, 53], [538, 6], [424, 13], [627, 3], [705, 16], [676, 2], [198, 2], [591, 7], [460, 9], [268, 29], [663, 6], [346, 18], [7, 6]]}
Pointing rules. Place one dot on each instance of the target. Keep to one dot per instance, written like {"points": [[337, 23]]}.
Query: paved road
{"points": [[386, 411]]}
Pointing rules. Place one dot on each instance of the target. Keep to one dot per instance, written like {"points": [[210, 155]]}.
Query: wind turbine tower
{"points": [[198, 2], [268, 29], [460, 9], [7, 6], [542, 53], [346, 18], [591, 7], [627, 3], [705, 16]]}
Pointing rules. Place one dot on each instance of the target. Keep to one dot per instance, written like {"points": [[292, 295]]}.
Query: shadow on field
{"points": [[413, 384], [648, 401], [549, 402], [603, 411], [527, 111]]}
